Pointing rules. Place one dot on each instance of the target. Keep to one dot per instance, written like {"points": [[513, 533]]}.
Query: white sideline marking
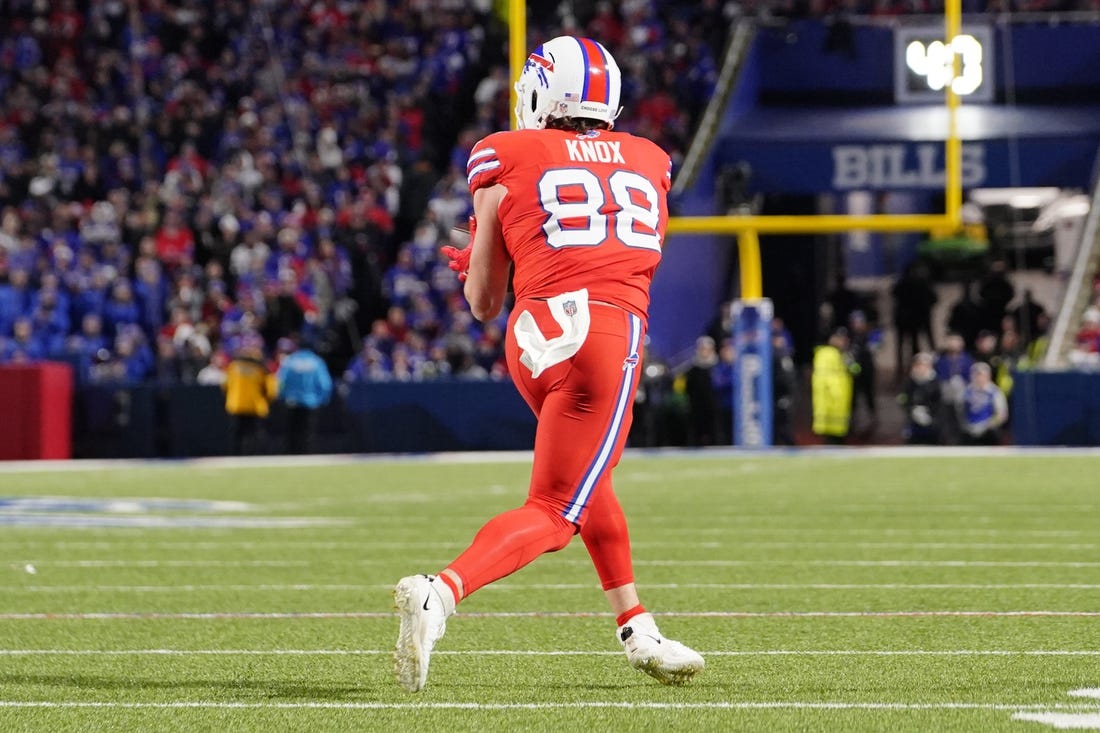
{"points": [[560, 653], [695, 454], [166, 563], [807, 586], [368, 545], [1062, 721], [785, 705], [154, 535], [877, 563], [260, 587], [586, 561], [276, 615], [1066, 721], [183, 588], [162, 522], [1086, 692], [904, 545]]}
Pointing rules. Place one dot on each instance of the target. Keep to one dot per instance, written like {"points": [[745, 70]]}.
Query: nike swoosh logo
{"points": [[426, 598]]}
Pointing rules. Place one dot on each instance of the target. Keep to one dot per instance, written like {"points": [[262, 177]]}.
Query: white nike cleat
{"points": [[423, 603], [670, 662]]}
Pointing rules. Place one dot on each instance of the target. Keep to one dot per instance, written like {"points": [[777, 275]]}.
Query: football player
{"points": [[580, 212]]}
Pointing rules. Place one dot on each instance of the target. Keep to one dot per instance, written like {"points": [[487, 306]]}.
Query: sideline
{"points": [[351, 459]]}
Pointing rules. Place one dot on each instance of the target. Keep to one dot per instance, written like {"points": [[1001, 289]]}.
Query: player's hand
{"points": [[460, 258]]}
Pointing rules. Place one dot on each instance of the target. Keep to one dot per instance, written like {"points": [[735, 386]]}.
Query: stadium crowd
{"points": [[181, 180]]}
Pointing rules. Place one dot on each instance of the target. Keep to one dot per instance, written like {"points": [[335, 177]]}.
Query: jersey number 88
{"points": [[574, 199]]}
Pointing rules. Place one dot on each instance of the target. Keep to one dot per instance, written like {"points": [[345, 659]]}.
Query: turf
{"points": [[827, 591]]}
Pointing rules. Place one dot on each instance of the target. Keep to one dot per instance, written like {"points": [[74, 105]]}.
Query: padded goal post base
{"points": [[36, 411]]}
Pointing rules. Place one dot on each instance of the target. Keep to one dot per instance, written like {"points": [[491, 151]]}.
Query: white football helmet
{"points": [[568, 77]]}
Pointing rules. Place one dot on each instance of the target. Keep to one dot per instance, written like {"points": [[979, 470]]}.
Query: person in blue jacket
{"points": [[305, 385]]}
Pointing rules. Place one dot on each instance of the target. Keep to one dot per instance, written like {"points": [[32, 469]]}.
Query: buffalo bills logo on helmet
{"points": [[570, 308], [541, 66]]}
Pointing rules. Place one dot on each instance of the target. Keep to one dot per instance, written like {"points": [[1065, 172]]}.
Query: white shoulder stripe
{"points": [[486, 166], [480, 154]]}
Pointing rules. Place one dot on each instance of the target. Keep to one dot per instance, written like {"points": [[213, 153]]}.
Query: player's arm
{"points": [[487, 281]]}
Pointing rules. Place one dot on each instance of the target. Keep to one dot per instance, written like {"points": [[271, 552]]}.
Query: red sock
{"points": [[509, 541], [628, 614]]}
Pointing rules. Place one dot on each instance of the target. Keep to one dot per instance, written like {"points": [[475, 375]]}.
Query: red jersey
{"points": [[583, 210]]}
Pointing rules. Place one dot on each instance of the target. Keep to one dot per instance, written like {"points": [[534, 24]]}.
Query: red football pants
{"points": [[584, 407]]}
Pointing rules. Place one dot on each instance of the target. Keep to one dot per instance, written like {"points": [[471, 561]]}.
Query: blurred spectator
{"points": [[967, 315], [952, 373], [305, 385], [1010, 356], [842, 301], [175, 242], [249, 389], [831, 381], [370, 365], [15, 299], [721, 377], [920, 399], [985, 348], [864, 343], [782, 340], [652, 402], [460, 359], [784, 386], [129, 361], [983, 409], [995, 292], [703, 427], [120, 309], [80, 349], [913, 297], [214, 372], [1086, 347], [25, 345], [1026, 316]]}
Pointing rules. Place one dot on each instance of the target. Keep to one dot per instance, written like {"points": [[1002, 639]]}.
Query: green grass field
{"points": [[827, 591]]}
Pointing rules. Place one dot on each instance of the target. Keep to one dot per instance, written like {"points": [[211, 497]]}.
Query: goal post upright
{"points": [[517, 45]]}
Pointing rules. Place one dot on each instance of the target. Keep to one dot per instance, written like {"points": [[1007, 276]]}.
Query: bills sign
{"points": [[752, 373], [902, 166]]}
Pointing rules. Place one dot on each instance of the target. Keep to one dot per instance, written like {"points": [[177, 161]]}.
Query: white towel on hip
{"points": [[539, 353]]}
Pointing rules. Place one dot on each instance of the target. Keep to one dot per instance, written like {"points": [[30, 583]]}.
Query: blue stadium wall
{"points": [[184, 421]]}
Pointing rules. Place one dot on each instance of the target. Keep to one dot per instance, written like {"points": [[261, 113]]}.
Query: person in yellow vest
{"points": [[831, 384], [249, 389]]}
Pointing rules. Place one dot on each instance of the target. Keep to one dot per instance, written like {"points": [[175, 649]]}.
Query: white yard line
{"points": [[270, 587], [563, 653], [481, 706], [725, 531], [881, 563], [164, 563], [184, 588], [586, 561], [732, 544], [1062, 721], [276, 615]]}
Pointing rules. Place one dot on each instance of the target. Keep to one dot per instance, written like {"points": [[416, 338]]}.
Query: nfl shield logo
{"points": [[570, 307]]}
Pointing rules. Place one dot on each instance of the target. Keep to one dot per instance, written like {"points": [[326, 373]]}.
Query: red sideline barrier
{"points": [[36, 405]]}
